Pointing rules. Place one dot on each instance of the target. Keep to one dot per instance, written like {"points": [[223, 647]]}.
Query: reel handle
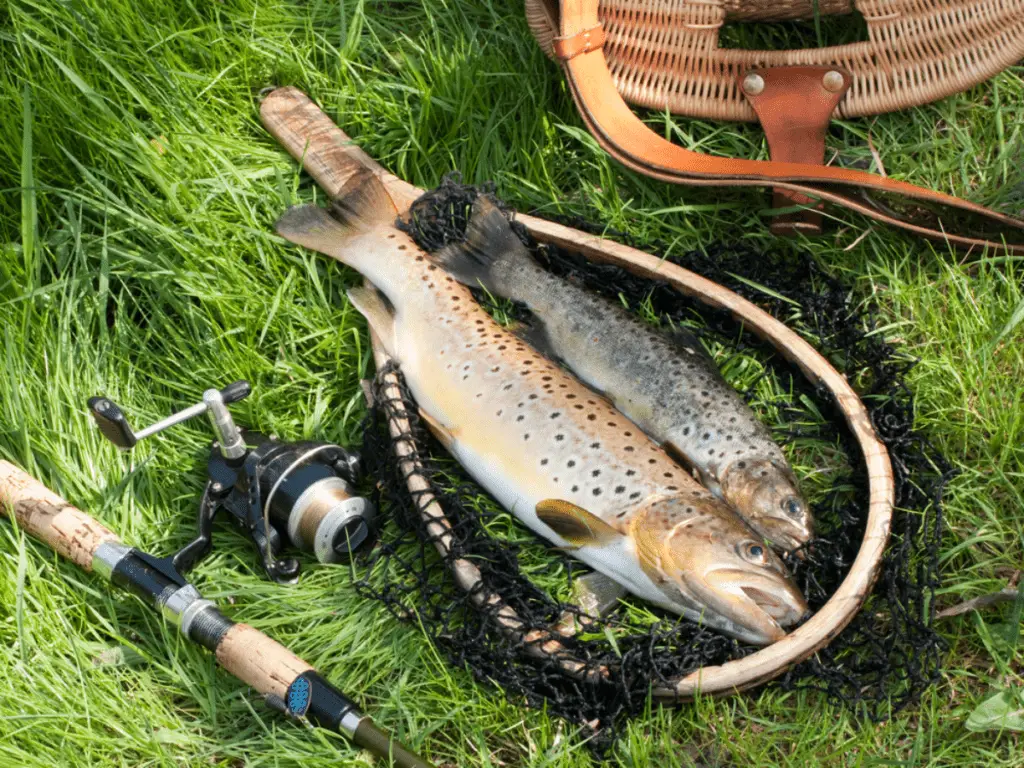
{"points": [[114, 426]]}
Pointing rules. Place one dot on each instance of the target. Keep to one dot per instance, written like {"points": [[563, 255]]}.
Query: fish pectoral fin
{"points": [[688, 340], [444, 435], [574, 524], [380, 315], [596, 593]]}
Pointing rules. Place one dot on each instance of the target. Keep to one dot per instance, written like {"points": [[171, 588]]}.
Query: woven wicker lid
{"points": [[665, 53]]}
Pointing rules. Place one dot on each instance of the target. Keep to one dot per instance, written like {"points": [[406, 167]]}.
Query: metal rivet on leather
{"points": [[833, 81], [754, 83]]}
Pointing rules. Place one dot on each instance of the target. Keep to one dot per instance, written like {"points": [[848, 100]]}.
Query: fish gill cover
{"points": [[880, 663]]}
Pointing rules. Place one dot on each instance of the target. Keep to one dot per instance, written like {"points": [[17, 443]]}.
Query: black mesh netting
{"points": [[880, 663]]}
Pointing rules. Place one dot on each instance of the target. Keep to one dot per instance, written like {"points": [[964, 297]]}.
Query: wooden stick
{"points": [[331, 157]]}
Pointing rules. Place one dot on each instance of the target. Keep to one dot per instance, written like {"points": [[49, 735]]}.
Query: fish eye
{"points": [[753, 552], [792, 506]]}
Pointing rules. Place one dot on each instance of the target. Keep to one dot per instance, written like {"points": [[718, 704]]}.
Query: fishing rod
{"points": [[288, 683]]}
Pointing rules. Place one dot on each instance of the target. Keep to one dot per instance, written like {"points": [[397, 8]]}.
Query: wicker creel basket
{"points": [[666, 55]]}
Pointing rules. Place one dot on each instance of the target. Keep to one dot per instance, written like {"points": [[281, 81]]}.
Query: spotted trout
{"points": [[666, 383], [555, 454]]}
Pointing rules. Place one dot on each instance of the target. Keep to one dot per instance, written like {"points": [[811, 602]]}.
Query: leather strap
{"points": [[624, 136]]}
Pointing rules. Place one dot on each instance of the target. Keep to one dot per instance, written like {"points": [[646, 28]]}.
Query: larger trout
{"points": [[551, 451], [670, 387]]}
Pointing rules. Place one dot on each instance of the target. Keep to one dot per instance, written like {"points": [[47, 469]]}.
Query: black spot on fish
{"points": [[595, 445], [570, 463], [520, 417], [596, 491], [543, 462], [559, 437], [596, 473], [635, 495], [629, 449], [575, 488], [526, 436], [630, 472], [620, 488]]}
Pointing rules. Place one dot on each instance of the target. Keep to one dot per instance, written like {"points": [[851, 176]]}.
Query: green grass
{"points": [[137, 190]]}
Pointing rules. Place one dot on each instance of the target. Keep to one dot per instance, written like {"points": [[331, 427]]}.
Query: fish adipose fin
{"points": [[490, 243], [574, 524], [362, 204], [379, 314]]}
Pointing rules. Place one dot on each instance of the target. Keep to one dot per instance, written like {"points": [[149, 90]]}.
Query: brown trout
{"points": [[552, 452], [670, 387]]}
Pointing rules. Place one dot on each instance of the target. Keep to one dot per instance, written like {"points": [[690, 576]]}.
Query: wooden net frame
{"points": [[665, 54]]}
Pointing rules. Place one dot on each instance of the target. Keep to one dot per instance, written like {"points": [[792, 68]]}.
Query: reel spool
{"points": [[276, 492]]}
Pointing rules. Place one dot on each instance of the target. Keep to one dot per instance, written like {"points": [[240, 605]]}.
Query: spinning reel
{"points": [[274, 491]]}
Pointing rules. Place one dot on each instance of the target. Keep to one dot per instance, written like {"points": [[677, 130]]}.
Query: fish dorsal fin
{"points": [[490, 244], [364, 202], [574, 524]]}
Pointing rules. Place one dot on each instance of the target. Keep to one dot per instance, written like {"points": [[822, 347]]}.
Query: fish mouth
{"points": [[756, 607], [785, 536]]}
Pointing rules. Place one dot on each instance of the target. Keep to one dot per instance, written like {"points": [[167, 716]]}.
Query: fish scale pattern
{"points": [[884, 659]]}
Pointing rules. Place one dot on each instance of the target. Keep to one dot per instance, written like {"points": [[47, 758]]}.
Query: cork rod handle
{"points": [[46, 516]]}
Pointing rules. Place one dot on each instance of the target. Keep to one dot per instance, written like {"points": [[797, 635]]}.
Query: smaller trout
{"points": [[670, 387]]}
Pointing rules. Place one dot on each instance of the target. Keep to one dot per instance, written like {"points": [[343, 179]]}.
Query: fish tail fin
{"points": [[364, 202], [490, 252], [362, 205]]}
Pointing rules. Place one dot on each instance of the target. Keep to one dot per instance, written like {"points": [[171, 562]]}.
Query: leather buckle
{"points": [[592, 39]]}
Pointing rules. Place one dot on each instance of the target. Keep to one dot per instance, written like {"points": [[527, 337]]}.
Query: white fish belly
{"points": [[617, 560]]}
